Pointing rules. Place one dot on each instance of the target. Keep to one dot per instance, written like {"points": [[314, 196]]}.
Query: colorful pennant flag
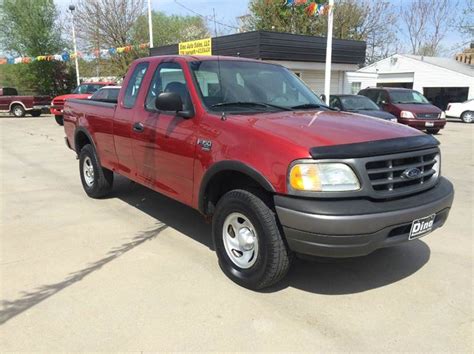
{"points": [[65, 56]]}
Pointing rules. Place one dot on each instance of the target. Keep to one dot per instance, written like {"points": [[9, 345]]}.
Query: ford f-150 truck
{"points": [[19, 106], [255, 150]]}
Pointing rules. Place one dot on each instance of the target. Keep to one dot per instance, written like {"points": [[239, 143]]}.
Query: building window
{"points": [[355, 87]]}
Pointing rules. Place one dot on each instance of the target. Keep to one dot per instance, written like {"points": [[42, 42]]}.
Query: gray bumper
{"points": [[348, 228]]}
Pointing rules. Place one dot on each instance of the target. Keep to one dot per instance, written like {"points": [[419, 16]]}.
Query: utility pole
{"points": [[150, 24], [327, 74], [72, 8]]}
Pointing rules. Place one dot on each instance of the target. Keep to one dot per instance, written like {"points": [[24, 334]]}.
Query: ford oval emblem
{"points": [[412, 173]]}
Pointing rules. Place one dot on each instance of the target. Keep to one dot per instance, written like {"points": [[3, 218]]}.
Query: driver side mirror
{"points": [[172, 102]]}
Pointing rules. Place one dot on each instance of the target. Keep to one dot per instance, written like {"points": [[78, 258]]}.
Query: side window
{"points": [[383, 97], [134, 84], [168, 77], [372, 94], [334, 102], [100, 95]]}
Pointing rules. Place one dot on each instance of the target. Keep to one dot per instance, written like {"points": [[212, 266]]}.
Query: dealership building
{"points": [[441, 80], [304, 55]]}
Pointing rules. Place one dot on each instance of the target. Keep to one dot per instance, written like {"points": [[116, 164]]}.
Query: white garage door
{"points": [[315, 80]]}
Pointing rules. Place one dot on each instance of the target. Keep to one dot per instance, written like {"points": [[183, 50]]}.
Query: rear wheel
{"points": [[248, 241], [432, 131], [35, 113], [18, 110], [96, 180], [59, 120], [468, 117]]}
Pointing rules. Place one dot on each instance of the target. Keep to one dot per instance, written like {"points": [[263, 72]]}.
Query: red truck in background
{"points": [[19, 106], [83, 91], [252, 148]]}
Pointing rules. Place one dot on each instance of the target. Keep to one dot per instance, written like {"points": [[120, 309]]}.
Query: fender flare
{"points": [[235, 166], [17, 102], [89, 136]]}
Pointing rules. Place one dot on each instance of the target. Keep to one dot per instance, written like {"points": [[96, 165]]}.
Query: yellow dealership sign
{"points": [[199, 47]]}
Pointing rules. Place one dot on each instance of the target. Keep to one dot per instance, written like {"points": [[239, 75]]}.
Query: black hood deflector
{"points": [[374, 148]]}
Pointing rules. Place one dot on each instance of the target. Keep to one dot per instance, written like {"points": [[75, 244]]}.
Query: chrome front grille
{"points": [[427, 115], [403, 173]]}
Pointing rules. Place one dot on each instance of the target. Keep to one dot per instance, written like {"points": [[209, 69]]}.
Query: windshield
{"points": [[237, 86], [407, 96], [87, 88], [357, 103]]}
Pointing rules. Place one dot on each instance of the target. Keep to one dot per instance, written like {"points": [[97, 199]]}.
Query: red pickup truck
{"points": [[83, 91], [19, 106], [252, 148]]}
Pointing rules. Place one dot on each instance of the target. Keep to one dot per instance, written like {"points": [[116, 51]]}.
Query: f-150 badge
{"points": [[205, 145]]}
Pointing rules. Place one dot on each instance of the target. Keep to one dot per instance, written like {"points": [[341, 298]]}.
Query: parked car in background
{"points": [[106, 94], [463, 110], [19, 106], [359, 104], [409, 106], [82, 92], [275, 170]]}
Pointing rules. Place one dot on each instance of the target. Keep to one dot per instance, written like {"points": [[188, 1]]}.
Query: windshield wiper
{"points": [[252, 104], [312, 105]]}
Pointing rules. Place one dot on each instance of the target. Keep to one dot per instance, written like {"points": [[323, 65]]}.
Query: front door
{"points": [[164, 147]]}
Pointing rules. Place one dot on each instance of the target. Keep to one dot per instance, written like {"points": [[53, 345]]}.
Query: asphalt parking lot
{"points": [[135, 272]]}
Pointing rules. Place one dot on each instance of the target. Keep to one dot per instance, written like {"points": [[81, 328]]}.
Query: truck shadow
{"points": [[329, 277]]}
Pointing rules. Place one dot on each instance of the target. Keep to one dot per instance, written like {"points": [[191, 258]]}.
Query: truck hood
{"points": [[325, 128], [417, 108], [80, 96]]}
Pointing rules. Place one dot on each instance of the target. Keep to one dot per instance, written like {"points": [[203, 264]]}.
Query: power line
{"points": [[207, 18]]}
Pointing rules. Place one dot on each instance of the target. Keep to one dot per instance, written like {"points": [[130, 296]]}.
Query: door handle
{"points": [[138, 127]]}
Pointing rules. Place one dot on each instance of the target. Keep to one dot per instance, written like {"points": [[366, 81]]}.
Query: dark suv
{"points": [[409, 106]]}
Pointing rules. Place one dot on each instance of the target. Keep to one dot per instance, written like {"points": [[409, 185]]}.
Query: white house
{"points": [[441, 80]]}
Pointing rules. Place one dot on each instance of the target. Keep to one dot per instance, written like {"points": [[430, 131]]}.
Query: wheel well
{"points": [[225, 181], [13, 104], [81, 140]]}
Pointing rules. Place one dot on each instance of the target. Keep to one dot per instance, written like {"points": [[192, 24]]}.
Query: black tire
{"points": [[102, 179], [432, 131], [59, 120], [467, 117], [273, 259], [35, 113], [18, 110]]}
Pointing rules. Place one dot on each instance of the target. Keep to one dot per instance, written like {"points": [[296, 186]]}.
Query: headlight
{"points": [[323, 177], [442, 115], [406, 114]]}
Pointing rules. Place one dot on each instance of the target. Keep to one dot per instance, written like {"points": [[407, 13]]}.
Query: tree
{"points": [[170, 29], [29, 29], [370, 21], [427, 23], [109, 24]]}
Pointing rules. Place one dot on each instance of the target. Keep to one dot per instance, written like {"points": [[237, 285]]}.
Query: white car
{"points": [[463, 110]]}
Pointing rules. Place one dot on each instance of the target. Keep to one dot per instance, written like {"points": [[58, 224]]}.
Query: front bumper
{"points": [[423, 124], [357, 227]]}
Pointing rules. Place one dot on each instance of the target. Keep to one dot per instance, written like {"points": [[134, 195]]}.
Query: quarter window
{"points": [[134, 84]]}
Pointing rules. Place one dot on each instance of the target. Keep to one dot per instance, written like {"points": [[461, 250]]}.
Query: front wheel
{"points": [[432, 131], [59, 120], [468, 117], [18, 111], [248, 241], [96, 180]]}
